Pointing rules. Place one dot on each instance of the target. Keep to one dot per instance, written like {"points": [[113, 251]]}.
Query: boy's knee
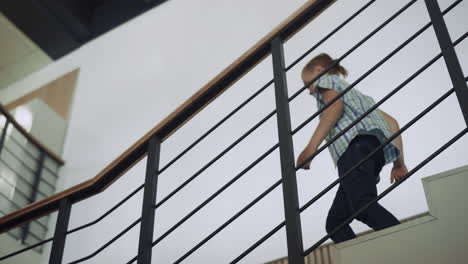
{"points": [[366, 214], [362, 217]]}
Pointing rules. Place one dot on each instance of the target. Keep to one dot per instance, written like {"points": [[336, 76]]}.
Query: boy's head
{"points": [[317, 65]]}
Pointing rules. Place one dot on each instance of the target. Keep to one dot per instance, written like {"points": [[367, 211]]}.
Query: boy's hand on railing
{"points": [[307, 152], [399, 171]]}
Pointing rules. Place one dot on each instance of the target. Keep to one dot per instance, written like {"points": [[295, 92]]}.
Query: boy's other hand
{"points": [[399, 171], [302, 157]]}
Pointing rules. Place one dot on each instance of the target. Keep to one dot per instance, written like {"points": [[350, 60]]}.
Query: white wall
{"points": [[44, 119], [19, 56], [134, 76]]}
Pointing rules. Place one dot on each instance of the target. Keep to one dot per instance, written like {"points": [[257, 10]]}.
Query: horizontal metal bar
{"points": [[333, 32], [219, 229], [214, 195], [52, 186], [388, 190], [26, 249], [30, 233], [353, 48], [10, 232], [259, 242], [14, 139], [180, 187], [377, 104], [19, 159], [40, 224], [34, 235], [29, 168], [261, 196], [108, 212], [375, 67], [18, 190], [132, 260], [42, 180], [377, 149], [20, 177], [53, 173], [32, 155], [15, 205], [108, 243], [83, 226], [216, 126], [13, 235]]}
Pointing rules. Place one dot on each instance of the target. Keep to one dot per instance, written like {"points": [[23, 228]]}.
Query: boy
{"points": [[359, 187]]}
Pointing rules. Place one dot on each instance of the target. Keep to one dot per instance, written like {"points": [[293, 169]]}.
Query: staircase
{"points": [[437, 236], [150, 146]]}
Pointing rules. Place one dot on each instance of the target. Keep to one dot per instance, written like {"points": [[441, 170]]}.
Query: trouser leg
{"points": [[359, 188], [338, 213]]}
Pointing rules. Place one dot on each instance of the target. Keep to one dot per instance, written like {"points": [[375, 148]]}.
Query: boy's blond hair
{"points": [[325, 61]]}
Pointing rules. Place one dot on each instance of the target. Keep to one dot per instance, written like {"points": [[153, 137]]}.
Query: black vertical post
{"points": [[450, 56], [58, 245], [38, 175], [34, 190], [149, 199], [3, 136], [288, 172]]}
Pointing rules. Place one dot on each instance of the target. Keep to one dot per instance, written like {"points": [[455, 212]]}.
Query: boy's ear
{"points": [[319, 69]]}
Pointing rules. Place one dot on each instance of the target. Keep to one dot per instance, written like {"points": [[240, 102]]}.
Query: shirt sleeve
{"points": [[325, 82]]}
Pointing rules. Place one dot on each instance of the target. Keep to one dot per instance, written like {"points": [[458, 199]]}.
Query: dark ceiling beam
{"points": [[64, 11], [59, 27], [43, 28], [111, 14]]}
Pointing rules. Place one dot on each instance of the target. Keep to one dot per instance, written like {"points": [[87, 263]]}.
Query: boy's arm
{"points": [[394, 127], [399, 167], [328, 120]]}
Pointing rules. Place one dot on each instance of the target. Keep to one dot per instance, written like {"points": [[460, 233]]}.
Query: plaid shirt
{"points": [[355, 104]]}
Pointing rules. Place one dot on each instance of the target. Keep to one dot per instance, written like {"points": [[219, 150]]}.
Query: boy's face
{"points": [[308, 76]]}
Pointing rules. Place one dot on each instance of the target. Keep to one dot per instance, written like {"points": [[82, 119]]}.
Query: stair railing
{"points": [[150, 144], [28, 170]]}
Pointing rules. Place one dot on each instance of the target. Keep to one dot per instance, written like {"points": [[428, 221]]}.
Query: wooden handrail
{"points": [[30, 137], [176, 119]]}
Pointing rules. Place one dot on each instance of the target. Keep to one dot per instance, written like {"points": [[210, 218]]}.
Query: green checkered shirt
{"points": [[355, 104]]}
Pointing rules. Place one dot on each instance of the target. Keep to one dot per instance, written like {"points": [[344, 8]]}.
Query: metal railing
{"points": [[28, 173], [292, 222]]}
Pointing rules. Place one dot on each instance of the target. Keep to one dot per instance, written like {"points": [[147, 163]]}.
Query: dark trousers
{"points": [[357, 189]]}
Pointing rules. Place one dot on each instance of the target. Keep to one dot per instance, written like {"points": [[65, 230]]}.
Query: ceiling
{"points": [[60, 26]]}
